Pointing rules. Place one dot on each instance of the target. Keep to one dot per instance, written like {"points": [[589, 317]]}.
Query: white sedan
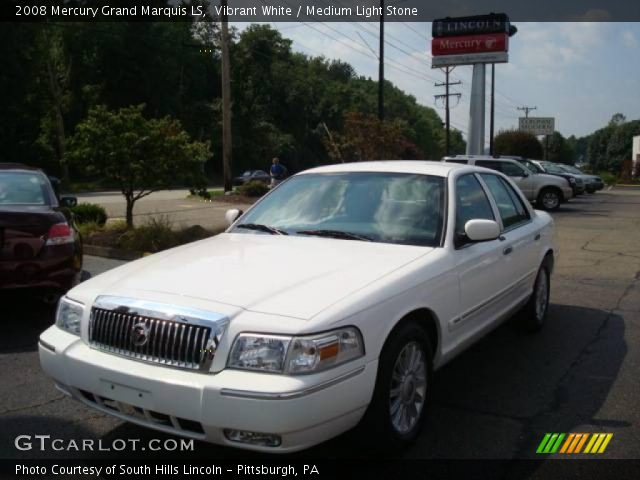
{"points": [[329, 302]]}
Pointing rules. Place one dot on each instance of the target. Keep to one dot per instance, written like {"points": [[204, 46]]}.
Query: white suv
{"points": [[546, 191]]}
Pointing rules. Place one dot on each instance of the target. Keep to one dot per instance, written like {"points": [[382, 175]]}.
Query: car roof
{"points": [[18, 166], [480, 157], [423, 167]]}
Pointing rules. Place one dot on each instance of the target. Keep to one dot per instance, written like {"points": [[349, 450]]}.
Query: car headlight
{"points": [[572, 180], [69, 315], [296, 355]]}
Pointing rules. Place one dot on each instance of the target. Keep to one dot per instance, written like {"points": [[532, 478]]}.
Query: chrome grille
{"points": [[166, 342]]}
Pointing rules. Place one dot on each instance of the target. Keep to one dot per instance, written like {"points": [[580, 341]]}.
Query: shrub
{"points": [[89, 213], [88, 228], [154, 236], [254, 188]]}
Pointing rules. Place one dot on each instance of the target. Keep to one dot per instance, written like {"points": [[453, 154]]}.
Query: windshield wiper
{"points": [[335, 234], [262, 228]]}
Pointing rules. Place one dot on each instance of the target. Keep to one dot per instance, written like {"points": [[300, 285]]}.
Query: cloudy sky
{"points": [[579, 73]]}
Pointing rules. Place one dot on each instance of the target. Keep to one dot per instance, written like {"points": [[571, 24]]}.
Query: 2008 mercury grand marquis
{"points": [[329, 302]]}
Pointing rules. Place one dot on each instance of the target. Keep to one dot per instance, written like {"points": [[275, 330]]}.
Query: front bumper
{"points": [[567, 193], [301, 410]]}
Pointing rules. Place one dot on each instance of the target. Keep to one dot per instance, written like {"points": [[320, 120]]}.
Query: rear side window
{"points": [[511, 209], [471, 202]]}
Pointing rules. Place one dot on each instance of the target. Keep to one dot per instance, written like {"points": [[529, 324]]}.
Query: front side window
{"points": [[23, 188], [511, 209], [471, 202], [492, 164], [378, 206], [512, 169]]}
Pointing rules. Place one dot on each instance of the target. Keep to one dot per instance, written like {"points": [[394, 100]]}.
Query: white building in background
{"points": [[635, 156]]}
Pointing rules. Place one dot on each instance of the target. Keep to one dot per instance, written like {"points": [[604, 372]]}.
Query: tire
{"points": [[534, 313], [549, 199], [397, 411]]}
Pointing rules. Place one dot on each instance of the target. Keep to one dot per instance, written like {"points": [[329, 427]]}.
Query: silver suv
{"points": [[546, 191]]}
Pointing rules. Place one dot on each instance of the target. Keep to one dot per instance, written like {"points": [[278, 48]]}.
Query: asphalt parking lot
{"points": [[497, 400]]}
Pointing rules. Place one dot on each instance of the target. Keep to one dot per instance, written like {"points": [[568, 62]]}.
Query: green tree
{"points": [[619, 148], [365, 137], [559, 149], [140, 155], [515, 142]]}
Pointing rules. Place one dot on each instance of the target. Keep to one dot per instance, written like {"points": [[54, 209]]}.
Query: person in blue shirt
{"points": [[278, 172]]}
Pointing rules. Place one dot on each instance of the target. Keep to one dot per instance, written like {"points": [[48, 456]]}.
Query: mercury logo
{"points": [[139, 334]]}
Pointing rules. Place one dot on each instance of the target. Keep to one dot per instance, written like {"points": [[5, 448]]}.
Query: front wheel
{"points": [[549, 199], [403, 385]]}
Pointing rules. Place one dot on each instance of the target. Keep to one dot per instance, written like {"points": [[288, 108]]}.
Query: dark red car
{"points": [[40, 246]]}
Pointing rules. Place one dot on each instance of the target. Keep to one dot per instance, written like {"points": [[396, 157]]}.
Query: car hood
{"points": [[292, 276], [553, 179]]}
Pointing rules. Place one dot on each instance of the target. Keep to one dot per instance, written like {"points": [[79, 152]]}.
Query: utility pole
{"points": [[381, 66], [226, 101], [526, 110], [446, 96], [493, 107]]}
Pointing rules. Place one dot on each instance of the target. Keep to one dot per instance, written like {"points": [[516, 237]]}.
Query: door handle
{"points": [[537, 237], [507, 250]]}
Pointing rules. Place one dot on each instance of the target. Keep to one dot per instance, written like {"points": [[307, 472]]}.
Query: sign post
{"points": [[475, 137]]}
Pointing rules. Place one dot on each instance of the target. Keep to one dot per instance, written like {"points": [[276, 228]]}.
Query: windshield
{"points": [[381, 207], [572, 169], [552, 168], [23, 188], [532, 167]]}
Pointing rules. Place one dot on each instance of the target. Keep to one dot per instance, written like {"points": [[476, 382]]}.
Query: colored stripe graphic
{"points": [[574, 443]]}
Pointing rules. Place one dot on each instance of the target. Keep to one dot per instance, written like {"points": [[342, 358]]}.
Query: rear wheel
{"points": [[549, 199], [403, 385], [534, 312]]}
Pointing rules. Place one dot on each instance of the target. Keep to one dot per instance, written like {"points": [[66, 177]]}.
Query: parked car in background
{"points": [[252, 175], [593, 183], [541, 166], [392, 269], [40, 246], [546, 191]]}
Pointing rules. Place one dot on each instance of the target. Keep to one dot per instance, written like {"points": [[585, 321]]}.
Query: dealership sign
{"points": [[537, 125], [470, 40], [469, 59], [493, 42], [476, 25]]}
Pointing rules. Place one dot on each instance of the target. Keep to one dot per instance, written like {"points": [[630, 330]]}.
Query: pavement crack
{"points": [[515, 418], [37, 405]]}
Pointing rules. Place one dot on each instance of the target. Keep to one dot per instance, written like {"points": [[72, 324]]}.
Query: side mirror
{"points": [[69, 202], [232, 215], [481, 230]]}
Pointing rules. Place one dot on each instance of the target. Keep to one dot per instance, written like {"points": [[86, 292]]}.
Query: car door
{"points": [[519, 233], [478, 264]]}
